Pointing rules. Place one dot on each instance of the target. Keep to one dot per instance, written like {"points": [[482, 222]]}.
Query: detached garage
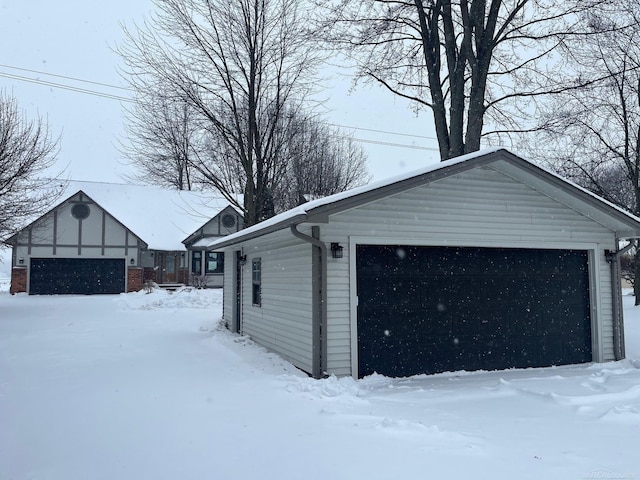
{"points": [[482, 262]]}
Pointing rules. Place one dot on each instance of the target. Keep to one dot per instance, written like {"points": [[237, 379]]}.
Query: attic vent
{"points": [[80, 211], [228, 221]]}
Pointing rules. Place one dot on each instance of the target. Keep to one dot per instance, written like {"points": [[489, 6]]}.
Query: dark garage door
{"points": [[53, 276], [436, 309]]}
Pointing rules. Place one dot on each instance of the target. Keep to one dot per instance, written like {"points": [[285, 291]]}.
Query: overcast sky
{"points": [[75, 39]]}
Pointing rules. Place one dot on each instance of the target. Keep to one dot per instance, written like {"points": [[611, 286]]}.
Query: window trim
{"points": [[256, 282], [219, 259], [196, 257]]}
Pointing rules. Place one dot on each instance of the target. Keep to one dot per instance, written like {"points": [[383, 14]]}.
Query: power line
{"points": [[125, 99], [383, 131], [66, 77], [391, 144], [65, 87]]}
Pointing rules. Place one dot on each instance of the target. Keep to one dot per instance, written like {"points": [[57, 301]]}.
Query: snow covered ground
{"points": [[152, 387]]}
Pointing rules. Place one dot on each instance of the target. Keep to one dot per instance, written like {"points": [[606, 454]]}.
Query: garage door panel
{"points": [[55, 276], [471, 308], [522, 320]]}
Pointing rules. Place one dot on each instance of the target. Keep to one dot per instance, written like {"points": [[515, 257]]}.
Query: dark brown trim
{"points": [[72, 245], [318, 299], [104, 230], [55, 230], [79, 236]]}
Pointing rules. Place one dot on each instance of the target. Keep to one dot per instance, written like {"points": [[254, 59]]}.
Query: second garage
{"points": [[84, 276], [436, 309]]}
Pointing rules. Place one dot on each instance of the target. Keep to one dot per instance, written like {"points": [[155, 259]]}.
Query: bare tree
{"points": [[163, 137], [27, 150], [314, 160], [238, 64], [322, 160], [473, 63], [592, 135]]}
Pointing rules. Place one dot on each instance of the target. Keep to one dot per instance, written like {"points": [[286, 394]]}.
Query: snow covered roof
{"points": [[317, 211], [160, 217]]}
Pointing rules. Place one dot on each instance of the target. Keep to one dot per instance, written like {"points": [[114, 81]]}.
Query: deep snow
{"points": [[151, 386]]}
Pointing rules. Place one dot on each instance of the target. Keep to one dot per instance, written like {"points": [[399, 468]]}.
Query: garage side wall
{"points": [[282, 321], [481, 208]]}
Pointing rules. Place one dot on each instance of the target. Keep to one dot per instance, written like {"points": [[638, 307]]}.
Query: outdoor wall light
{"points": [[21, 261], [336, 250], [132, 261], [242, 259]]}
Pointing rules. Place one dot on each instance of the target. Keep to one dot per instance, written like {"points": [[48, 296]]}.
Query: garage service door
{"points": [[436, 309], [53, 276]]}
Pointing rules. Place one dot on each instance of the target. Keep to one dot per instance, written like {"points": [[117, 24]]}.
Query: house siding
{"points": [[481, 207], [59, 235], [282, 323]]}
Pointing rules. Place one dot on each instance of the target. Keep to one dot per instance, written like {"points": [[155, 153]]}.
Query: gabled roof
{"points": [[160, 217], [541, 179]]}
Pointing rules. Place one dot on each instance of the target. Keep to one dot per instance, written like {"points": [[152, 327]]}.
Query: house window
{"points": [[214, 263], [256, 280], [80, 211], [196, 263], [228, 221]]}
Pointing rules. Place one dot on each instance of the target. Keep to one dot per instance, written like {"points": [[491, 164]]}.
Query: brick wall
{"points": [[149, 274], [183, 276], [134, 279], [18, 280]]}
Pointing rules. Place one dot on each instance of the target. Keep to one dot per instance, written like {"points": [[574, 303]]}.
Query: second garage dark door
{"points": [[54, 276], [436, 309]]}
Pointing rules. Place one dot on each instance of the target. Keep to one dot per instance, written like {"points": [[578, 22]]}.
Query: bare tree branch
{"points": [[27, 152]]}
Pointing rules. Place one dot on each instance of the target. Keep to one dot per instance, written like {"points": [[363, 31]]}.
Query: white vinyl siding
{"points": [[481, 207], [478, 208], [282, 323]]}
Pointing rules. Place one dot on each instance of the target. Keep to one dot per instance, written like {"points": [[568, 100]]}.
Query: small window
{"points": [[256, 280], [80, 211], [228, 221], [214, 263], [196, 263]]}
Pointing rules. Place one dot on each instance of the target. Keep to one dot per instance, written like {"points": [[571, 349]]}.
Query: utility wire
{"points": [[390, 144], [66, 77], [125, 99], [383, 131], [65, 87]]}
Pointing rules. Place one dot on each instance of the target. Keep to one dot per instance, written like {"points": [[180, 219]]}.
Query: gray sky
{"points": [[74, 39]]}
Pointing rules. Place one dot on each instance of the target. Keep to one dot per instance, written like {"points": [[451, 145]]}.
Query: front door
{"points": [[170, 269]]}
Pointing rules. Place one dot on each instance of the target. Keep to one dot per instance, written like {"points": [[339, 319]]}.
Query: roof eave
{"points": [[286, 223]]}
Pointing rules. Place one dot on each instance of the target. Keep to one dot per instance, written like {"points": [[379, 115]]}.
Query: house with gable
{"points": [[112, 238]]}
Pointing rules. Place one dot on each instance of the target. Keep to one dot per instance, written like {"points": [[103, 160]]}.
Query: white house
{"points": [[111, 238], [486, 261]]}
